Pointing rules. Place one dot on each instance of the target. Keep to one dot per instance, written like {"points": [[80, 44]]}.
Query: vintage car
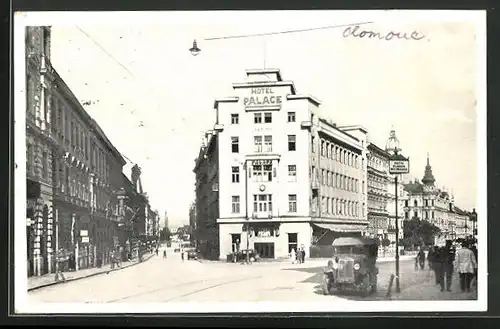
{"points": [[241, 256], [353, 267], [192, 253]]}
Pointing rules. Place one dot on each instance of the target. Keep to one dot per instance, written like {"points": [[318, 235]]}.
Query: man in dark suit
{"points": [[446, 259]]}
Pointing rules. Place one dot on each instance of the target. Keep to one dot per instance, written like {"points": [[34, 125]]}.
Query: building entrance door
{"points": [[265, 250]]}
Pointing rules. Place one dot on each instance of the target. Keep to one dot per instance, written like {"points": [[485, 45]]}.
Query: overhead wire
{"points": [[126, 69], [285, 32]]}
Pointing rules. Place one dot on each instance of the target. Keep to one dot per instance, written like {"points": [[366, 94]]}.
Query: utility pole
{"points": [[397, 237]]}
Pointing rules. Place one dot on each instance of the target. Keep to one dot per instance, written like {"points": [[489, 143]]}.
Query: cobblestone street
{"points": [[174, 280]]}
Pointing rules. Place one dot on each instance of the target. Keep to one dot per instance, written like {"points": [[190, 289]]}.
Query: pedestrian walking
{"points": [[157, 251], [164, 254], [293, 256], [182, 254], [112, 258], [465, 264], [431, 257], [421, 258], [303, 253], [60, 264], [446, 259], [436, 264]]}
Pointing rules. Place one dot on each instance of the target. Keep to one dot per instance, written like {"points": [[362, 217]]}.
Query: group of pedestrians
{"points": [[299, 256], [446, 260]]}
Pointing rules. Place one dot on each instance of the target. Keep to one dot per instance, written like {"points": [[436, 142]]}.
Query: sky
{"points": [[154, 100]]}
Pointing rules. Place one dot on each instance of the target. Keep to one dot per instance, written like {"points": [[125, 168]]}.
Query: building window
{"points": [[432, 202], [235, 204], [415, 203], [268, 117], [426, 215], [292, 173], [291, 116], [29, 158], [292, 242], [235, 119], [406, 203], [322, 148], [292, 202], [313, 148], [257, 117], [415, 214], [268, 143], [432, 214], [235, 148], [291, 143], [45, 165], [407, 215], [262, 203], [262, 173], [235, 174], [257, 143]]}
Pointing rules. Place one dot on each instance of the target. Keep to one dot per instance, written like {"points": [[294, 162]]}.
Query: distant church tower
{"points": [[428, 179]]}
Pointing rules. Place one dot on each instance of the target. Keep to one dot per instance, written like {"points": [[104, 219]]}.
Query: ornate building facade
{"points": [[39, 145], [286, 178], [427, 202], [378, 169], [74, 173]]}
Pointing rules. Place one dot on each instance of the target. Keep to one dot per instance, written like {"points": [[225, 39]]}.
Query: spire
{"points": [[428, 176], [392, 144]]}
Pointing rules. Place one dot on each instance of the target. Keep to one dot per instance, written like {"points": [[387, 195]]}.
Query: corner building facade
{"points": [[286, 178]]}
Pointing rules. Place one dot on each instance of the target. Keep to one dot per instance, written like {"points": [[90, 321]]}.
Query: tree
{"points": [[385, 243], [418, 232], [165, 234]]}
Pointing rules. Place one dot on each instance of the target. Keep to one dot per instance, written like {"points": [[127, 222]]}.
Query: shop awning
{"points": [[342, 227]]}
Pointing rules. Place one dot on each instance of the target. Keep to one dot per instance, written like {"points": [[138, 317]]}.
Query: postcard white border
{"points": [[71, 18]]}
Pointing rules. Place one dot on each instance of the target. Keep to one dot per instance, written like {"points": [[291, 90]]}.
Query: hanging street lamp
{"points": [[195, 50]]}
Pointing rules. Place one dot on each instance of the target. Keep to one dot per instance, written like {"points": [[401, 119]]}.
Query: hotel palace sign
{"points": [[398, 164], [262, 97]]}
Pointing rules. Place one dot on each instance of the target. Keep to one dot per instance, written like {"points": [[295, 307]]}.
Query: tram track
{"points": [[183, 284]]}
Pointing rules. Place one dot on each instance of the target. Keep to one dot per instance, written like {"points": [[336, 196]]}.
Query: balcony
{"points": [[315, 185], [262, 215], [306, 124]]}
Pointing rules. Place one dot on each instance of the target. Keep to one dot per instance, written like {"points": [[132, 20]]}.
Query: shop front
{"points": [[264, 236], [271, 240]]}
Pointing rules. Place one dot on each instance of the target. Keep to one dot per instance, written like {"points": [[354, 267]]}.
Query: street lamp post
{"points": [[398, 164]]}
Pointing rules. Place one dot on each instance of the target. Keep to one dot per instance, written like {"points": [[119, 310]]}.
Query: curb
{"points": [[86, 276]]}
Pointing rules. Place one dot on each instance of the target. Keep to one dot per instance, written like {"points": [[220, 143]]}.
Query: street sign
{"points": [[85, 239], [398, 164], [84, 232]]}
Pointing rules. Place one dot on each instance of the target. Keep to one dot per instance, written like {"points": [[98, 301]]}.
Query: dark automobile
{"points": [[192, 254], [177, 250], [241, 256], [352, 267]]}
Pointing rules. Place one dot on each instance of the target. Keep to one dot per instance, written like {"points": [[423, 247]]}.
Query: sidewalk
{"points": [[36, 282], [428, 290]]}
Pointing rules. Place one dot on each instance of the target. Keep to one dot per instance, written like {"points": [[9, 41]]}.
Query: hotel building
{"points": [[279, 177]]}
